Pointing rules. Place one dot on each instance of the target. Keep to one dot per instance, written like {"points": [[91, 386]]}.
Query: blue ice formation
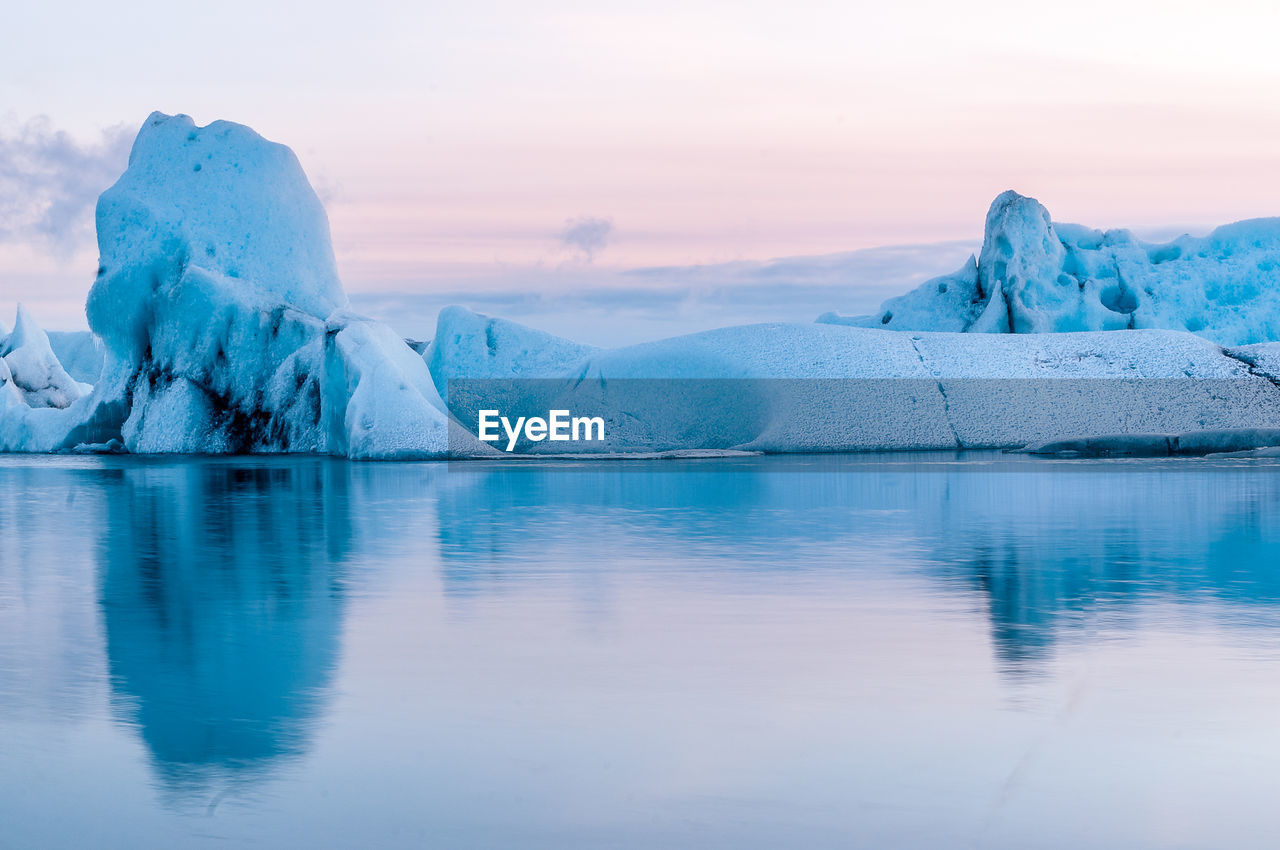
{"points": [[222, 320], [1035, 275], [219, 325], [30, 375], [80, 352]]}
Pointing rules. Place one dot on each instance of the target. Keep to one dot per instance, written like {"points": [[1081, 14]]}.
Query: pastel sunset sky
{"points": [[455, 143]]}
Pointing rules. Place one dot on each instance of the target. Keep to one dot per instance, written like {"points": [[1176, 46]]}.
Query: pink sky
{"points": [[452, 144]]}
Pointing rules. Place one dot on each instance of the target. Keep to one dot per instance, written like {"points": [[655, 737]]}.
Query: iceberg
{"points": [[218, 324], [31, 372], [1034, 275], [469, 345], [223, 323], [821, 387]]}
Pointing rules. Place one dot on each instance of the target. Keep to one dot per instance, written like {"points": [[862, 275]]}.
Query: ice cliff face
{"points": [[223, 320], [1037, 276]]}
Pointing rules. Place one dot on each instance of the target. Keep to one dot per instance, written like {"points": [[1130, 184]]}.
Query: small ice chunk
{"points": [[33, 368]]}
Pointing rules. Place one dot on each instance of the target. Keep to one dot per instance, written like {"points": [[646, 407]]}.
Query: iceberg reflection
{"points": [[222, 585], [831, 647], [1048, 549], [221, 592]]}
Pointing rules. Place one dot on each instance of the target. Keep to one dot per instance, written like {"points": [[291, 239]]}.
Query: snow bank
{"points": [[1037, 276], [782, 388], [222, 317]]}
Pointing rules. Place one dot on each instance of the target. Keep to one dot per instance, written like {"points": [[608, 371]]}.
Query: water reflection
{"points": [[1073, 549], [221, 592], [220, 587], [1048, 549], [50, 663]]}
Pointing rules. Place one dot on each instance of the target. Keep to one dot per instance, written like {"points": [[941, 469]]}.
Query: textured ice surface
{"points": [[1011, 390], [470, 345], [1034, 276], [223, 320], [823, 387], [1262, 358]]}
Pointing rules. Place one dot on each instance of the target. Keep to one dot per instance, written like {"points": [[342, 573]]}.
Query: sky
{"points": [[494, 147]]}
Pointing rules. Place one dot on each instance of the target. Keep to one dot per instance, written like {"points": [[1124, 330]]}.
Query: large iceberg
{"points": [[1035, 275], [222, 319], [789, 387]]}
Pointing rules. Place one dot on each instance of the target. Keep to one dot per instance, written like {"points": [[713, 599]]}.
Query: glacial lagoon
{"points": [[911, 650]]}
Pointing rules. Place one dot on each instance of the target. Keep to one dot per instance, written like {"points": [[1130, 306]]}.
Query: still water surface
{"points": [[878, 651]]}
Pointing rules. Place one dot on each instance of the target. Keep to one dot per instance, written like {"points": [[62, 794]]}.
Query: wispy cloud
{"points": [[611, 307], [50, 181], [587, 234]]}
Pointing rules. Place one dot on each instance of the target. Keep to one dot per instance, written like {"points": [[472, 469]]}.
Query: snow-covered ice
{"points": [[1035, 275], [32, 370], [819, 387]]}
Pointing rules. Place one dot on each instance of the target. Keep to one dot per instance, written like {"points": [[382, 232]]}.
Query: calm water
{"points": [[912, 651]]}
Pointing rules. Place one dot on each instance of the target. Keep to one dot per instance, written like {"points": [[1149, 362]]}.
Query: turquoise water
{"points": [[828, 651]]}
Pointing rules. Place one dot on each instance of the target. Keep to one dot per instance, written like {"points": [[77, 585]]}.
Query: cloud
{"points": [[50, 181], [588, 234], [611, 307]]}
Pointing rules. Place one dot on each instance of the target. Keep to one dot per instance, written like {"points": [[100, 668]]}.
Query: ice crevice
{"points": [[1249, 359], [942, 391]]}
